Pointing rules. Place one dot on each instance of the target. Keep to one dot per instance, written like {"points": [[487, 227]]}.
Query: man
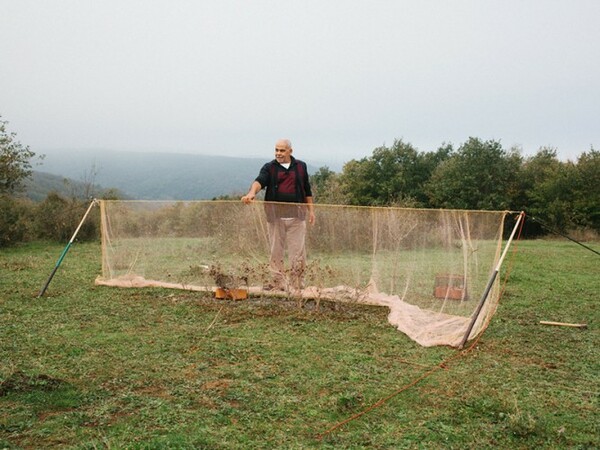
{"points": [[288, 186]]}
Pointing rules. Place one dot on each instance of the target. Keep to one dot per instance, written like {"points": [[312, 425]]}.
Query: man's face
{"points": [[283, 154]]}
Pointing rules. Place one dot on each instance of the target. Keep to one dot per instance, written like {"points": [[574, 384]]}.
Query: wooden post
{"points": [[490, 283]]}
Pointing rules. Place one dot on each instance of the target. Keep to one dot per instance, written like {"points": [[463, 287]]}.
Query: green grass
{"points": [[98, 367]]}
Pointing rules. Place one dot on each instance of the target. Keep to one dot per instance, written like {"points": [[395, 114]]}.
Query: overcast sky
{"points": [[339, 78]]}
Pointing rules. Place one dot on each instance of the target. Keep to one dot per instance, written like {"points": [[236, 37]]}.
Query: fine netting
{"points": [[429, 267]]}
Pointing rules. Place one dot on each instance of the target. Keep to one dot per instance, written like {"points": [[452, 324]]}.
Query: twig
{"points": [[562, 324], [215, 319], [405, 361]]}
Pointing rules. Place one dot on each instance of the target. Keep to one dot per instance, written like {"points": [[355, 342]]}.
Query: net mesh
{"points": [[429, 267]]}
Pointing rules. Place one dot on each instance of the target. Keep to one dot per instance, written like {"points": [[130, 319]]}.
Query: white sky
{"points": [[339, 78]]}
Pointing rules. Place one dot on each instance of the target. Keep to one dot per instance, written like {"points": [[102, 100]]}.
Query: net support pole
{"points": [[66, 249], [488, 288]]}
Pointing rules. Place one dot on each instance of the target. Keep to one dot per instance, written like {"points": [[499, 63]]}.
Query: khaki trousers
{"points": [[290, 232]]}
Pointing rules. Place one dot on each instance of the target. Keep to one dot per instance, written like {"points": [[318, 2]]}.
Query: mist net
{"points": [[429, 267]]}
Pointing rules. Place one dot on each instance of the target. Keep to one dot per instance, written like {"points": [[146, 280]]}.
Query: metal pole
{"points": [[66, 249], [488, 288]]}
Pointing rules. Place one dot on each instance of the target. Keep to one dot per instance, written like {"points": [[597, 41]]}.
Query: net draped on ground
{"points": [[429, 267]]}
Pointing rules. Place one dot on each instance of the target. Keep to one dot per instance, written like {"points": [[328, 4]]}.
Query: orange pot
{"points": [[231, 294]]}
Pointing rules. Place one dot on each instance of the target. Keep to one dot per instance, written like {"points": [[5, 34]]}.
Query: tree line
{"points": [[480, 175]]}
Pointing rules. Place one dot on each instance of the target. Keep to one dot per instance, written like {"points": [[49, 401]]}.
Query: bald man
{"points": [[288, 202]]}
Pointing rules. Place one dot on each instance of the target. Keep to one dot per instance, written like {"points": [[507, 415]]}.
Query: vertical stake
{"points": [[490, 284], [66, 249]]}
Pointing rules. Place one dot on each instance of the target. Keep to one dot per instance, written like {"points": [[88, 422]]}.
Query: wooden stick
{"points": [[66, 249], [562, 324], [215, 319], [488, 288]]}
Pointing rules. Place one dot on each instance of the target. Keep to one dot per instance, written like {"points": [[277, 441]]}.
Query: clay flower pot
{"points": [[231, 294]]}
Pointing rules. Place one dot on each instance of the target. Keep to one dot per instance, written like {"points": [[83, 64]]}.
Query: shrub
{"points": [[57, 218], [14, 220]]}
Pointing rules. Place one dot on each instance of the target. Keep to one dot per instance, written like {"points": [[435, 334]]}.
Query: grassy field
{"points": [[99, 367]]}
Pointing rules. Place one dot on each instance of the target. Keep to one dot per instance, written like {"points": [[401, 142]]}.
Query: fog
{"points": [[338, 78]]}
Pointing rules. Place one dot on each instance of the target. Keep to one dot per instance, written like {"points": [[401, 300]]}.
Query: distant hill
{"points": [[156, 176], [40, 184]]}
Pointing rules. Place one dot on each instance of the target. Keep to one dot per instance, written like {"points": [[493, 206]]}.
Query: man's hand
{"points": [[251, 195], [248, 197]]}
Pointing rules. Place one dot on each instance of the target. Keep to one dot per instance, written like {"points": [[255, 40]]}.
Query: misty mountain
{"points": [[156, 176], [40, 184]]}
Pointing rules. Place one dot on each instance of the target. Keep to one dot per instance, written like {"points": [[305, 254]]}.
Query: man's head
{"points": [[283, 151]]}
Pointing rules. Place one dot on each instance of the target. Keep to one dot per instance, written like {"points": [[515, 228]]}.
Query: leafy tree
{"points": [[14, 220], [319, 179], [391, 176], [326, 187], [51, 221], [587, 190], [539, 190], [15, 161], [56, 218], [480, 175], [433, 159], [562, 195], [358, 182]]}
